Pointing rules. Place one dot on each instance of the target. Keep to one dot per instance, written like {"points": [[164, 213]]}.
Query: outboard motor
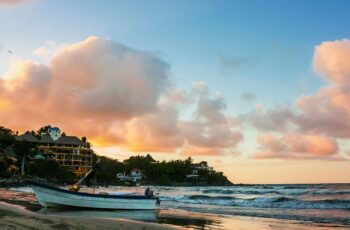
{"points": [[149, 192]]}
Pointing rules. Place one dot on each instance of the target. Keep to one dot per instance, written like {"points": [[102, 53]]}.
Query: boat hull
{"points": [[55, 197]]}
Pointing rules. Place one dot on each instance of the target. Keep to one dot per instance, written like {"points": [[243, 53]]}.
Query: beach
{"points": [[14, 217], [20, 210], [17, 217], [189, 208]]}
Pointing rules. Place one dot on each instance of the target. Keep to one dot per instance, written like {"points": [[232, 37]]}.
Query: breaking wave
{"points": [[261, 202]]}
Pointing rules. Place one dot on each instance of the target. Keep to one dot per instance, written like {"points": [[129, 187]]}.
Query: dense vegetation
{"points": [[161, 173], [16, 159]]}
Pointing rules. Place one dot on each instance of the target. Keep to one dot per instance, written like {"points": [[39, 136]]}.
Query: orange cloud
{"points": [[328, 111], [11, 2], [316, 120], [295, 145], [86, 88], [332, 61], [116, 96]]}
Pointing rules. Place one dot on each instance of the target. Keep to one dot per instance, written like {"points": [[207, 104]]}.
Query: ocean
{"points": [[305, 205]]}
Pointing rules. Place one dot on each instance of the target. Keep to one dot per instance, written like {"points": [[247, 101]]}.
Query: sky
{"points": [[259, 89]]}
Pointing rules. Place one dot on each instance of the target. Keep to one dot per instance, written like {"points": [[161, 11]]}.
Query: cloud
{"points": [[200, 86], [11, 2], [326, 113], [49, 50], [211, 132], [232, 62], [275, 119], [158, 131], [332, 61], [116, 96], [296, 145], [106, 78], [95, 81], [248, 96]]}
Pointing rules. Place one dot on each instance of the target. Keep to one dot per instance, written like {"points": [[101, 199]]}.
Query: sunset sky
{"points": [[259, 89]]}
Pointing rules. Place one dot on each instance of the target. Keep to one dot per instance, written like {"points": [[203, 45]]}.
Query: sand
{"points": [[16, 217]]}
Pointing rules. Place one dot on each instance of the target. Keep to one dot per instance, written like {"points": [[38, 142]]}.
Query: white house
{"points": [[135, 175], [203, 165], [193, 175], [122, 176]]}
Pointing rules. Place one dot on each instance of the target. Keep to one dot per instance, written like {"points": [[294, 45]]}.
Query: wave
{"points": [[255, 191], [201, 197], [331, 192], [289, 191], [222, 191], [261, 202]]}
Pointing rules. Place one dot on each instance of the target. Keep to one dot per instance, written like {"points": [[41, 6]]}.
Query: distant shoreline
{"points": [[7, 183], [17, 182]]}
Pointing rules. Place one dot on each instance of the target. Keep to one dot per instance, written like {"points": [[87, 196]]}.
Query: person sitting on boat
{"points": [[74, 187]]}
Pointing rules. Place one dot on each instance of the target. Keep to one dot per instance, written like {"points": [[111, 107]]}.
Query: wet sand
{"points": [[16, 217]]}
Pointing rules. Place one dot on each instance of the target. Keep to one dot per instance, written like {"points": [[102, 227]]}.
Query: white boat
{"points": [[49, 196]]}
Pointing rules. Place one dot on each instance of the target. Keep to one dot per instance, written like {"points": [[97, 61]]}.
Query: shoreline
{"points": [[14, 216], [19, 208], [18, 182]]}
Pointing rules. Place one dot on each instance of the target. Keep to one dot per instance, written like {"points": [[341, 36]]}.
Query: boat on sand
{"points": [[49, 196]]}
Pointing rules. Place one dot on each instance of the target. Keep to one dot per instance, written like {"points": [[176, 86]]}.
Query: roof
{"points": [[46, 138], [54, 128], [27, 137], [70, 140]]}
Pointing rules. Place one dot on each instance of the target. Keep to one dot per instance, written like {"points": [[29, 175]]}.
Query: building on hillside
{"points": [[135, 175], [69, 151], [193, 174], [203, 165], [198, 168], [122, 176]]}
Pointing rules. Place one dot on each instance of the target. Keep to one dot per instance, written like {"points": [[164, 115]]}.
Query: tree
{"points": [[3, 168], [51, 171], [7, 137], [23, 149], [42, 130], [107, 170], [84, 139]]}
